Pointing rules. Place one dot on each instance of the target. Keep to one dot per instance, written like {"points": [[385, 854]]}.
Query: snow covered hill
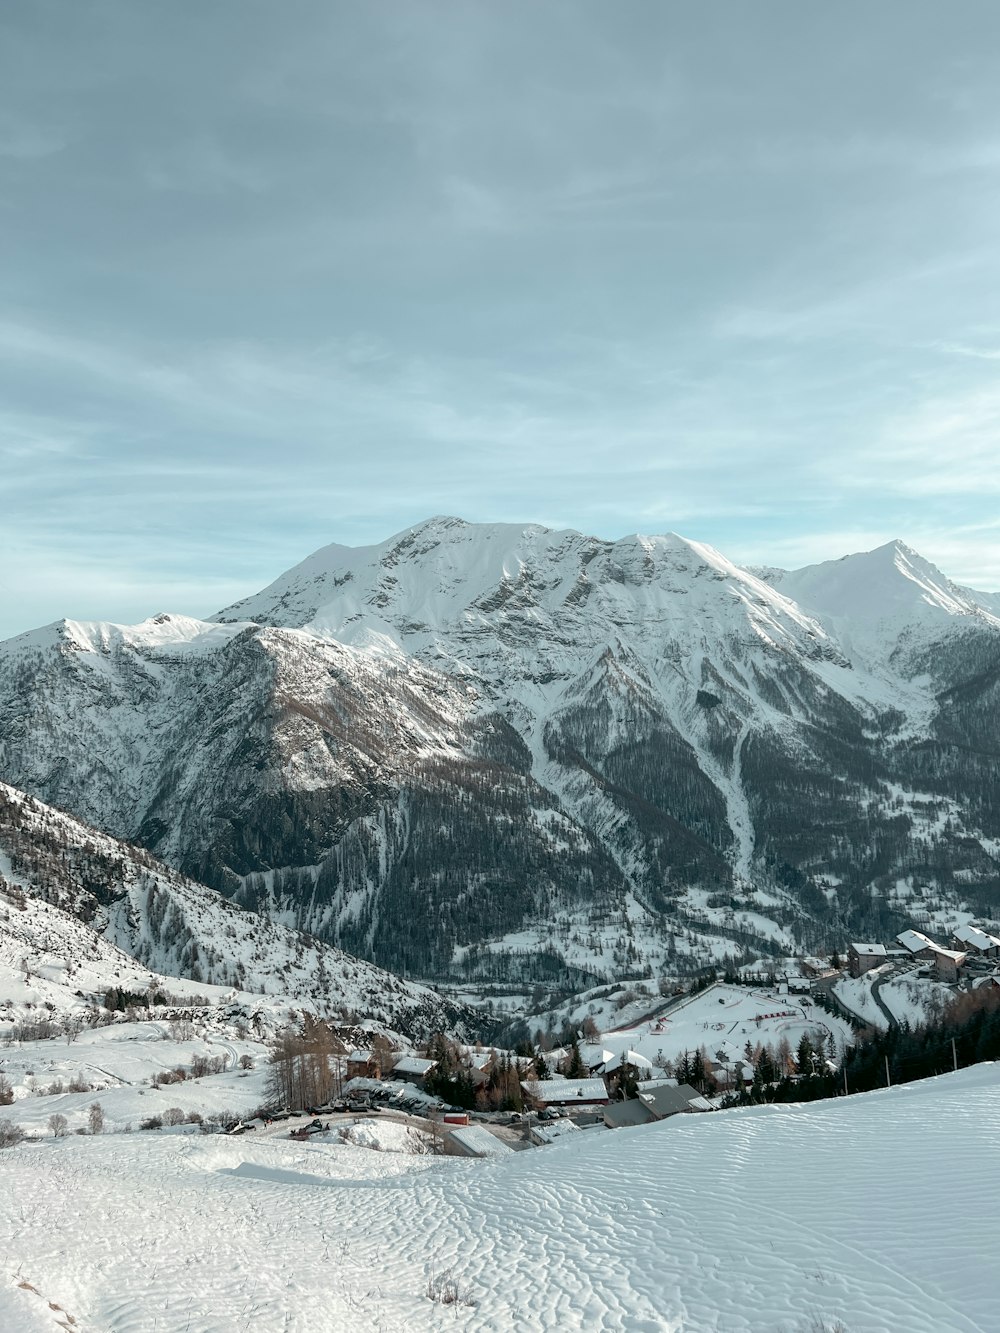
{"points": [[505, 752], [818, 1218], [81, 914]]}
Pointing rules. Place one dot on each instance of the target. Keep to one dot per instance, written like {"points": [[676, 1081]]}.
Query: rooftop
{"points": [[978, 939], [565, 1091]]}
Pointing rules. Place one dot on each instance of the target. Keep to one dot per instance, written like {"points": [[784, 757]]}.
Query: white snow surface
{"points": [[763, 1220], [724, 1018], [872, 600]]}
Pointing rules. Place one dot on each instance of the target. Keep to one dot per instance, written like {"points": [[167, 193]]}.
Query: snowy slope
{"points": [[825, 1216], [885, 603], [80, 913]]}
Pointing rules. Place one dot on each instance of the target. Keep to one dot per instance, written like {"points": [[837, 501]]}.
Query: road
{"points": [[889, 1015]]}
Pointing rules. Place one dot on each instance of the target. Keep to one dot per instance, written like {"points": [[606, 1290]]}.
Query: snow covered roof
{"points": [[478, 1140], [479, 1059], [976, 938], [360, 1057], [412, 1064], [555, 1129], [874, 950], [565, 1091], [953, 954], [628, 1058], [915, 941], [621, 1115], [593, 1055], [670, 1101]]}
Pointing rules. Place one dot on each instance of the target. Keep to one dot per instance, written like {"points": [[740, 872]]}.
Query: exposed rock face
{"points": [[506, 751]]}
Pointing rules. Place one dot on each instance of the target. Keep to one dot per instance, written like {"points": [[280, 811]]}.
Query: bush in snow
{"points": [[11, 1133]]}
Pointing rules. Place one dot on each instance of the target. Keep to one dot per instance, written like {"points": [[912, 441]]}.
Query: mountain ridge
{"points": [[546, 753]]}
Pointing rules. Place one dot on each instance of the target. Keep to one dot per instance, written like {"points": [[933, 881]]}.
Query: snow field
{"points": [[724, 1016], [762, 1220]]}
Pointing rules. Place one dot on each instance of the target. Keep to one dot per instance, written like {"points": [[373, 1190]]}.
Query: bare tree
{"points": [[58, 1125], [95, 1117], [11, 1133]]}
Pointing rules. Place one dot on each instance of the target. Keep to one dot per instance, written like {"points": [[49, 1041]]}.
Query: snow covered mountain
{"points": [[81, 913], [495, 751]]}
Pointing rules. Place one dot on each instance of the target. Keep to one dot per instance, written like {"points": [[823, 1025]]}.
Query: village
{"points": [[633, 1058], [691, 1053]]}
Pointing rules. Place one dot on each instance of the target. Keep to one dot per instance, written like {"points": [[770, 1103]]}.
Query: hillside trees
{"points": [[301, 1069]]}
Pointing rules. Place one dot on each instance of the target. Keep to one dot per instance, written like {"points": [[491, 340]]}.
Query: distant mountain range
{"points": [[501, 752]]}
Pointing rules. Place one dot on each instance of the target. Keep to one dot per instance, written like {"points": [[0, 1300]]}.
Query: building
{"points": [[917, 944], [946, 964], [973, 940], [363, 1064], [658, 1103], [412, 1069], [861, 958], [642, 1066], [565, 1094], [595, 1056], [542, 1132]]}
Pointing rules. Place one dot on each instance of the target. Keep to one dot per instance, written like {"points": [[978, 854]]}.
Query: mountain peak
{"points": [[880, 594]]}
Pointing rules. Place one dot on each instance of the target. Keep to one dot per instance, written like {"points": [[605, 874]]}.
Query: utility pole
{"points": [[954, 1055], [845, 1078], [888, 1080]]}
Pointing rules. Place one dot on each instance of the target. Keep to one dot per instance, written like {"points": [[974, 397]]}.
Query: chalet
{"points": [[861, 958], [917, 944], [363, 1064], [595, 1056], [412, 1069], [813, 967], [946, 964], [565, 1094], [657, 1103], [973, 940], [548, 1131], [642, 1066]]}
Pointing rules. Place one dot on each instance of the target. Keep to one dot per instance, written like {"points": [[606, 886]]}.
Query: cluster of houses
{"points": [[967, 943], [655, 1099], [586, 1099]]}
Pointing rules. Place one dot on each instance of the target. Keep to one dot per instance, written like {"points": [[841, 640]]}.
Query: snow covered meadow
{"points": [[862, 1214]]}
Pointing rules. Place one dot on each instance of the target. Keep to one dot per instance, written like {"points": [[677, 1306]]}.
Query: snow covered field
{"points": [[725, 1018], [862, 1214]]}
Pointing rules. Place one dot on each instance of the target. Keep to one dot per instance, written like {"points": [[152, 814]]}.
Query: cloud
{"points": [[23, 141], [202, 166]]}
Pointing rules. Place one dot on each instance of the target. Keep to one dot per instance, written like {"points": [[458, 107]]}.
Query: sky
{"points": [[279, 275]]}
